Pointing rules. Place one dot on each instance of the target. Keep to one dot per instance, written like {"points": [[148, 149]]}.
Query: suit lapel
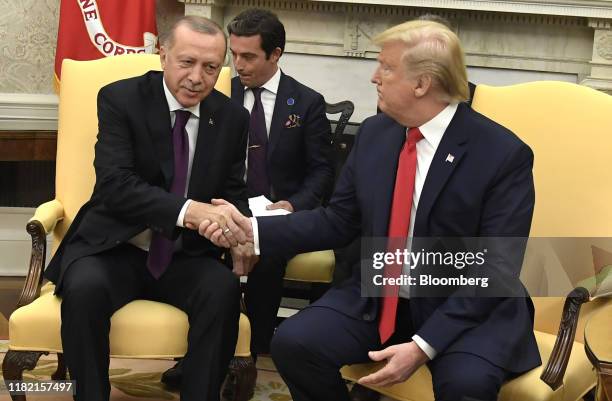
{"points": [[447, 157], [282, 110], [384, 178], [158, 122], [208, 132]]}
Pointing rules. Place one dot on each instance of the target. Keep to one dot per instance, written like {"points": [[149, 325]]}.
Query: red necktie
{"points": [[399, 224]]}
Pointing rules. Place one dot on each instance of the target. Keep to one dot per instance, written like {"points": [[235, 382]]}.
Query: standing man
{"points": [[167, 143], [289, 151], [428, 166]]}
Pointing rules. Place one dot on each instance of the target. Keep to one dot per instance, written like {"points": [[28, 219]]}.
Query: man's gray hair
{"points": [[195, 23]]}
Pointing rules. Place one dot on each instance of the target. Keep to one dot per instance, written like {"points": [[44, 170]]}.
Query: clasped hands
{"points": [[222, 224]]}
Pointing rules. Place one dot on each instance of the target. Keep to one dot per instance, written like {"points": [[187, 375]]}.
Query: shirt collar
{"points": [[273, 83], [434, 129], [174, 105]]}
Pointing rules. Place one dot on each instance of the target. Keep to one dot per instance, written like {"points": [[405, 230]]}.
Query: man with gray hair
{"points": [[168, 143], [427, 166]]}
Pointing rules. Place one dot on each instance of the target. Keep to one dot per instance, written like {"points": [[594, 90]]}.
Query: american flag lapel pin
{"points": [[450, 158]]}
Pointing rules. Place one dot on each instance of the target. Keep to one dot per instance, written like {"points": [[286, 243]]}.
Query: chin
{"points": [[381, 107], [188, 102]]}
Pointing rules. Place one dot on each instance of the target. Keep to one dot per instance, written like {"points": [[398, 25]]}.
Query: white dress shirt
{"points": [[432, 131], [143, 239], [268, 98]]}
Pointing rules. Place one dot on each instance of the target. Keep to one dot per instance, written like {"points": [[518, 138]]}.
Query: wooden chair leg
{"points": [[240, 382], [61, 371], [15, 362]]}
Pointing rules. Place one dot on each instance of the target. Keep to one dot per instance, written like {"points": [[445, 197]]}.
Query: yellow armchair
{"points": [[34, 328], [568, 127]]}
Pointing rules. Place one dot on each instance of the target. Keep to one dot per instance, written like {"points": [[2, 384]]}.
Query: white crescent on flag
{"points": [[102, 41]]}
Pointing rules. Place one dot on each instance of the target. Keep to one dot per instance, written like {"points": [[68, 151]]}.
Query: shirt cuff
{"points": [[427, 349], [255, 235], [180, 221]]}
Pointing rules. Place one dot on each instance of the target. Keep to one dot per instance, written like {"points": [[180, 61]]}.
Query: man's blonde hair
{"points": [[432, 49]]}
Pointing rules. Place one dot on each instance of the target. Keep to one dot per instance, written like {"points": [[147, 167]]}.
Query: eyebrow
{"points": [[242, 54]]}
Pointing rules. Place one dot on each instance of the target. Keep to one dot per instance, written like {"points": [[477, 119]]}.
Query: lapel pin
{"points": [[450, 158], [211, 122], [290, 101]]}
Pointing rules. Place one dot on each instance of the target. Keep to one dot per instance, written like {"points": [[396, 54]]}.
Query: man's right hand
{"points": [[221, 221]]}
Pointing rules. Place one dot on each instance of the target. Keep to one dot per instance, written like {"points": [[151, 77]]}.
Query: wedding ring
{"points": [[226, 230]]}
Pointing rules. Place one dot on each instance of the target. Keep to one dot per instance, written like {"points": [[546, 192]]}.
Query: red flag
{"points": [[92, 29]]}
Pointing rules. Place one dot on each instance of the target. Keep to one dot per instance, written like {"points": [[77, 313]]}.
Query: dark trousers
{"points": [[262, 296], [96, 286], [310, 348]]}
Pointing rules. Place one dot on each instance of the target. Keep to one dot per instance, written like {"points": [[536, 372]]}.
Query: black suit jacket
{"points": [[134, 170], [299, 157], [486, 191]]}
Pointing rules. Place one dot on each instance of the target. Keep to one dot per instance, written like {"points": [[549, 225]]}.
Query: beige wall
{"points": [[28, 32], [28, 35]]}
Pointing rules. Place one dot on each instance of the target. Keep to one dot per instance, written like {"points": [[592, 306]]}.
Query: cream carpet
{"points": [[138, 380]]}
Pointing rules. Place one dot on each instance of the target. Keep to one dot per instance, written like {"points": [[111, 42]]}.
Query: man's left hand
{"points": [[244, 259], [281, 205], [402, 361]]}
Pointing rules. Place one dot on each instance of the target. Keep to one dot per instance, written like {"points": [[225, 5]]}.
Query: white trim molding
{"points": [[571, 8], [28, 112]]}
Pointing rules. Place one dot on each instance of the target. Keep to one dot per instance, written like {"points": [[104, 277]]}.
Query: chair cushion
{"points": [[579, 378], [314, 267], [140, 329]]}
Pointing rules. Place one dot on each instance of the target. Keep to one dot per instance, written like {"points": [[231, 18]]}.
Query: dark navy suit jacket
{"points": [[299, 155], [487, 191]]}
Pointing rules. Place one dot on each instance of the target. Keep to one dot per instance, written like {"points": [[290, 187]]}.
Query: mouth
{"points": [[192, 91]]}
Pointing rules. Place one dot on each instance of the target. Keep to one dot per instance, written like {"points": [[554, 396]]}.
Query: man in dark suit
{"points": [[289, 153], [428, 166], [167, 143]]}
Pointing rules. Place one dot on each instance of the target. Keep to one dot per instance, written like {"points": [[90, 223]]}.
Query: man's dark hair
{"points": [[195, 23], [256, 21]]}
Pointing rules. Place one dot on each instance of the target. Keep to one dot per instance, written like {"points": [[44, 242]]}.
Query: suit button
{"points": [[117, 242], [367, 317]]}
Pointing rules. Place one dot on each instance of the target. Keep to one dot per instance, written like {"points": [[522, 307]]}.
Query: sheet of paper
{"points": [[258, 207]]}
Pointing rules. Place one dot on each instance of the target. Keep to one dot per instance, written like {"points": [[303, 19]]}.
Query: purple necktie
{"points": [[161, 248], [257, 174]]}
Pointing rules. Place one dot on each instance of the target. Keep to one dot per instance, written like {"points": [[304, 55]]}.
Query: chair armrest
{"points": [[45, 218], [557, 363], [48, 214]]}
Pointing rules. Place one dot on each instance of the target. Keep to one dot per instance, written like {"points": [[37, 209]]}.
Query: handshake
{"points": [[222, 224]]}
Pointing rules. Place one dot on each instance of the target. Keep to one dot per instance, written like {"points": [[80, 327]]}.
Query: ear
{"points": [[276, 54], [162, 57], [423, 85]]}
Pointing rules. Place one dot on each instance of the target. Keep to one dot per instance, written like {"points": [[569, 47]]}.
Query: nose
{"points": [[375, 76], [238, 63], [195, 75]]}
